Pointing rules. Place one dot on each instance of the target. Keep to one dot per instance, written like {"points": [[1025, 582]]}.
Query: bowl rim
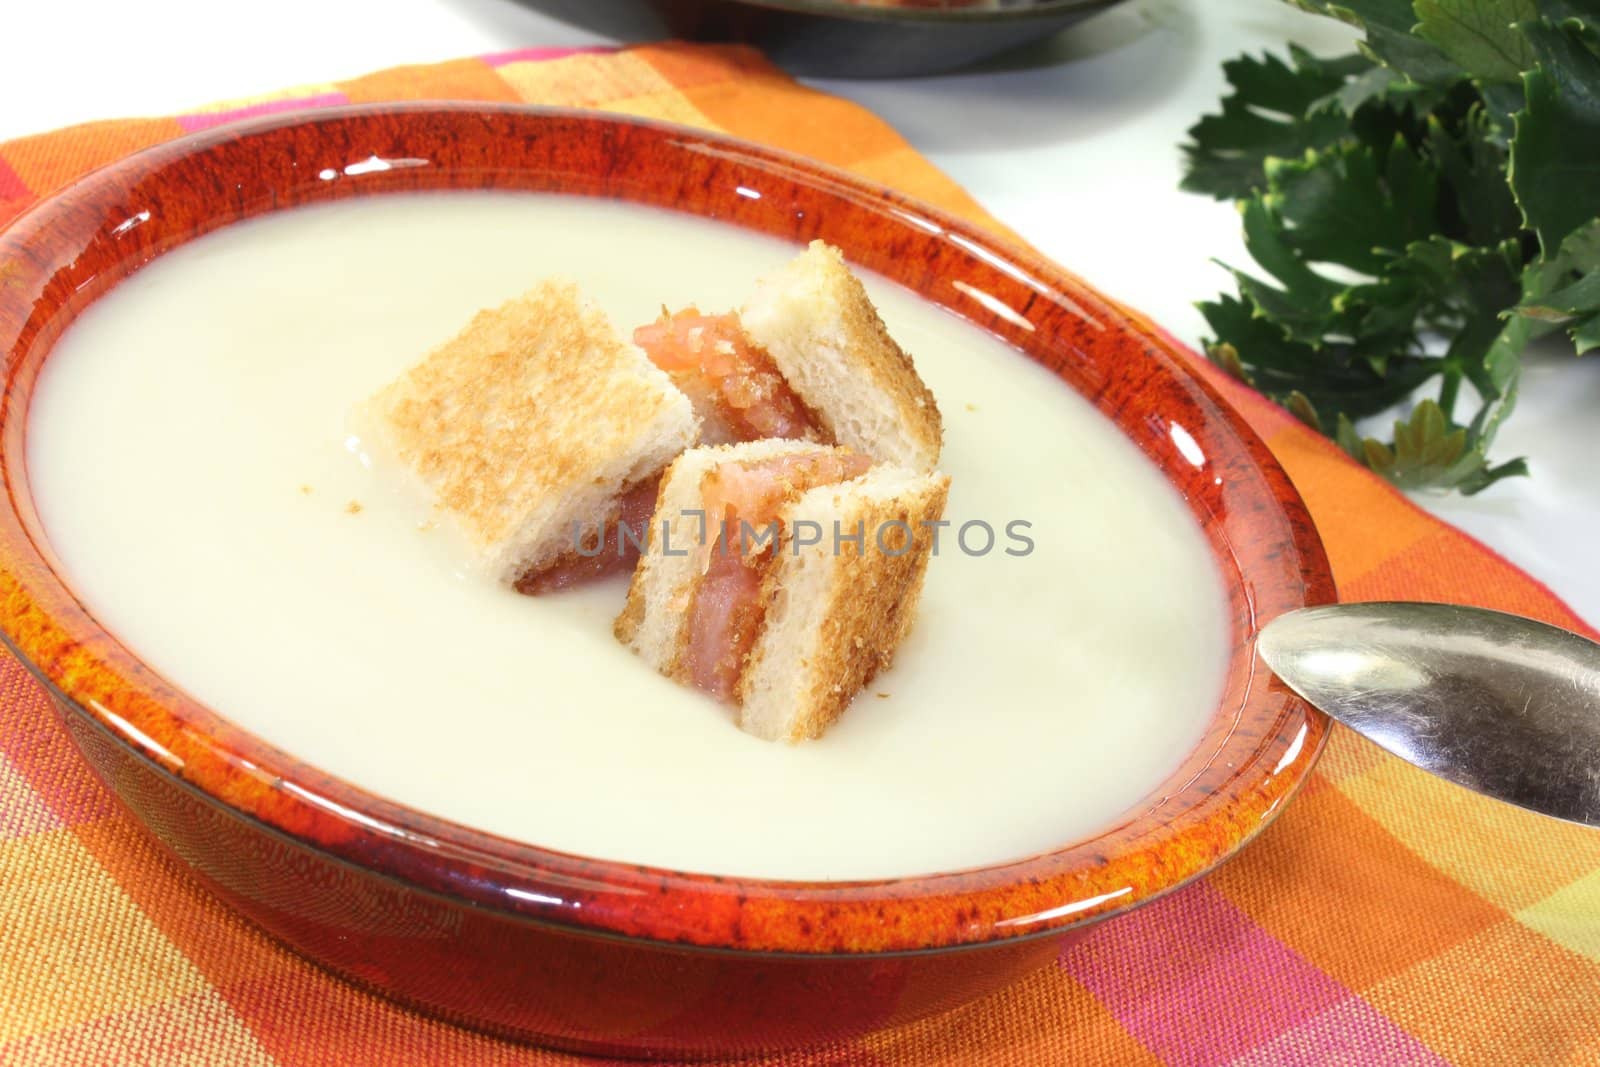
{"points": [[56, 637]]}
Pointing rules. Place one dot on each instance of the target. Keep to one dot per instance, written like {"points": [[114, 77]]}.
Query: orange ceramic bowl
{"points": [[558, 948]]}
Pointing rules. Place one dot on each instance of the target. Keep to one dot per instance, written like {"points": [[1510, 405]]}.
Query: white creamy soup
{"points": [[189, 451]]}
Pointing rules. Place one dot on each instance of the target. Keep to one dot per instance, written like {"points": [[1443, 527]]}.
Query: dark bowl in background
{"points": [[833, 39]]}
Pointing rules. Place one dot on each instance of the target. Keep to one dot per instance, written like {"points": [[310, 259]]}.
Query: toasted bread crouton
{"points": [[813, 317], [534, 418], [821, 613]]}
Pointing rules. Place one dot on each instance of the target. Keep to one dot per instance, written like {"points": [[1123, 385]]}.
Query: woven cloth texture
{"points": [[1384, 918]]}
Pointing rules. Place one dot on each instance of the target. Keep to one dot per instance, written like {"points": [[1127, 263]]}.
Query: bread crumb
{"points": [[353, 508], [306, 489], [972, 407], [883, 696]]}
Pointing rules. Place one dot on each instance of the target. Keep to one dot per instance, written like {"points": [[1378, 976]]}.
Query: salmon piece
{"points": [[615, 553], [755, 492], [735, 387], [733, 383], [727, 610], [725, 619]]}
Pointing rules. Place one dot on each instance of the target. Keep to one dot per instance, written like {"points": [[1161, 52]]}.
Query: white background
{"points": [[1073, 144]]}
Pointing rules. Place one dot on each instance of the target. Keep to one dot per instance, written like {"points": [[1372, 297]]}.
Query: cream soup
{"points": [[191, 453]]}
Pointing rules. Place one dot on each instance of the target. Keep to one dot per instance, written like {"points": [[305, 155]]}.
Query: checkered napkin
{"points": [[1384, 918]]}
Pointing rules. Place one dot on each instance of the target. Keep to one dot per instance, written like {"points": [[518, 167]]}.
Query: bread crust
{"points": [[809, 663]]}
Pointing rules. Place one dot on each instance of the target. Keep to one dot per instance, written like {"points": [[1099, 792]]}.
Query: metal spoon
{"points": [[1503, 705]]}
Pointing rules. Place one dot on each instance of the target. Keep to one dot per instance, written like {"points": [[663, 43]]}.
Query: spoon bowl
{"points": [[1506, 706]]}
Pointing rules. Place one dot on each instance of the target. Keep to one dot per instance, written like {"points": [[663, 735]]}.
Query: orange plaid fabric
{"points": [[1386, 917]]}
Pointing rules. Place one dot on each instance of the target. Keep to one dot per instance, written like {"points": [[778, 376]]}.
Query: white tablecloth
{"points": [[1074, 144]]}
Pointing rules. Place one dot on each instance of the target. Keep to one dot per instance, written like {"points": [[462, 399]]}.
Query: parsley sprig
{"points": [[1421, 211]]}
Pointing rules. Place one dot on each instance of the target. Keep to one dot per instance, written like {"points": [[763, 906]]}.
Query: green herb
{"points": [[1422, 210]]}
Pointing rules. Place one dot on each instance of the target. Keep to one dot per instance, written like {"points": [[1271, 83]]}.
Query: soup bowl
{"points": [[578, 952]]}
